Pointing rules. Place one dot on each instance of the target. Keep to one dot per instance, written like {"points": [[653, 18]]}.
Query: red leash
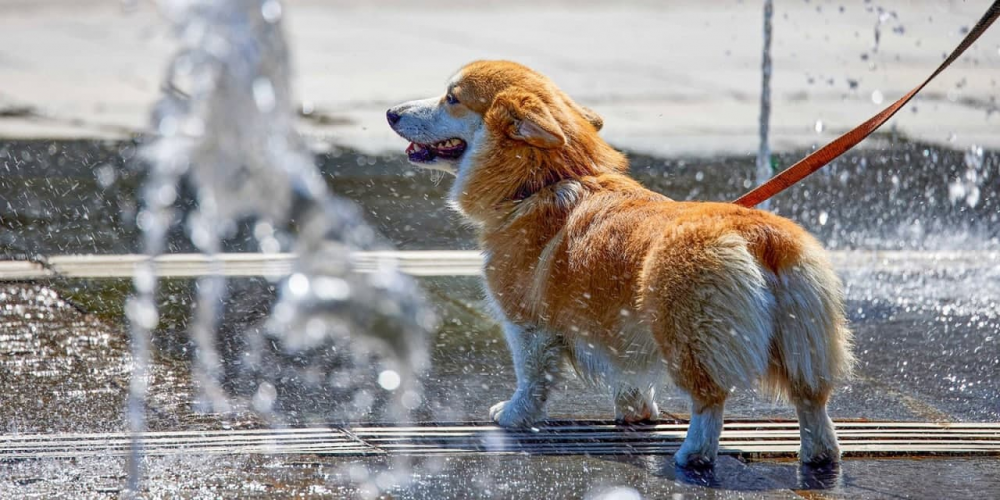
{"points": [[821, 157]]}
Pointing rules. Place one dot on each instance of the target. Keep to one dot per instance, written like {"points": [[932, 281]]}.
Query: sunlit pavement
{"points": [[669, 77], [78, 364]]}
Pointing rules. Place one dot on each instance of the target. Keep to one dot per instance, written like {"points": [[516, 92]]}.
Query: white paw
{"points": [[511, 414], [819, 445], [694, 455]]}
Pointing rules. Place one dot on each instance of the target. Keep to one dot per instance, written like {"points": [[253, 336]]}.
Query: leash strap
{"points": [[821, 157]]}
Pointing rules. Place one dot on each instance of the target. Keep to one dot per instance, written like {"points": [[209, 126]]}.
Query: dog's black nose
{"points": [[392, 116]]}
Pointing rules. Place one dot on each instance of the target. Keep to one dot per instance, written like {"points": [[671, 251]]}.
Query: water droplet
{"points": [[105, 175], [819, 127], [270, 245], [823, 216], [166, 195], [144, 279], [298, 284], [271, 10], [389, 380], [327, 288], [142, 313], [263, 399], [167, 126], [263, 229], [263, 95], [877, 97]]}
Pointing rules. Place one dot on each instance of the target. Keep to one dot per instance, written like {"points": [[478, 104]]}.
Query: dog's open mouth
{"points": [[450, 149]]}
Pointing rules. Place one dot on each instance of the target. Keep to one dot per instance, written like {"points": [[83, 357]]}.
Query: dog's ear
{"points": [[540, 130], [524, 117], [592, 117], [588, 114]]}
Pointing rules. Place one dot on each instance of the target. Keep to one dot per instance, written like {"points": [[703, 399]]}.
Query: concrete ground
{"points": [[669, 77], [67, 371], [925, 332]]}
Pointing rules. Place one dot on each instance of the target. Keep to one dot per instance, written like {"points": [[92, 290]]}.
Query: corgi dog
{"points": [[634, 289]]}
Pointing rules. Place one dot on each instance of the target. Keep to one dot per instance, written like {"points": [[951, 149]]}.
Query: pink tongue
{"points": [[424, 154]]}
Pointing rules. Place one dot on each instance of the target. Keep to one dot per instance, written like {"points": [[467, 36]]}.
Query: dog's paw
{"points": [[511, 414], [818, 456], [646, 413], [692, 456], [819, 445]]}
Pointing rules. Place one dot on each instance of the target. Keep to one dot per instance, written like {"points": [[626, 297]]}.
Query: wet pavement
{"points": [[67, 197], [927, 333], [617, 478]]}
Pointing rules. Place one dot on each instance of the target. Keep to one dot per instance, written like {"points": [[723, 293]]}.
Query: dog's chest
{"points": [[510, 278]]}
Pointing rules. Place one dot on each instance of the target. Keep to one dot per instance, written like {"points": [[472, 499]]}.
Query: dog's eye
{"points": [[451, 99]]}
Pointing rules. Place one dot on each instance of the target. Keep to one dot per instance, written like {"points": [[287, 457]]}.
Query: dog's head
{"points": [[505, 131]]}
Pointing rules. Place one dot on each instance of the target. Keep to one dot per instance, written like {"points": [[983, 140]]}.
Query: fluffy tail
{"points": [[811, 348]]}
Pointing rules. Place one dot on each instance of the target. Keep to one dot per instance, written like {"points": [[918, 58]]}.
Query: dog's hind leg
{"points": [[816, 432], [810, 352], [537, 355], [712, 313], [701, 445]]}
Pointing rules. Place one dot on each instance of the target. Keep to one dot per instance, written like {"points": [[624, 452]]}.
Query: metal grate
{"points": [[755, 439]]}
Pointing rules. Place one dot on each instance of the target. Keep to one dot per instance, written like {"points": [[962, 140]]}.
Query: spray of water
{"points": [[966, 188], [226, 123], [764, 151]]}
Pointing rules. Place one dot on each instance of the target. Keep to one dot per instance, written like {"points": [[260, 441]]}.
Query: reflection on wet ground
{"points": [[927, 335]]}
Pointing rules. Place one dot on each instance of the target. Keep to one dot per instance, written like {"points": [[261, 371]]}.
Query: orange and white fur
{"points": [[634, 289]]}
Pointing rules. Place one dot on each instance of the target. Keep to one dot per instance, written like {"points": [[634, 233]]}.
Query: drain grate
{"points": [[746, 438], [318, 440]]}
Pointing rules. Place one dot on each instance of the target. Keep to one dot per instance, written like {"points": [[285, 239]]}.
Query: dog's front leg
{"points": [[536, 354]]}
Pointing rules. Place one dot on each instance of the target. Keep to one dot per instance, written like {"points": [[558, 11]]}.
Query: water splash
{"points": [[764, 170], [226, 123], [967, 187]]}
